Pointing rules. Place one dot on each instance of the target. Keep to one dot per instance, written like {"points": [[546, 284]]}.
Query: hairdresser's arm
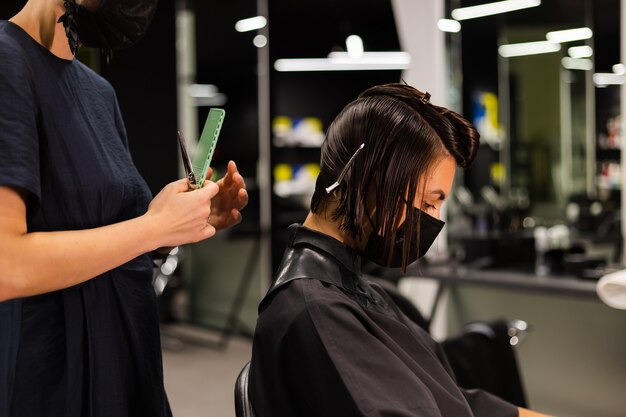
{"points": [[36, 263], [523, 412]]}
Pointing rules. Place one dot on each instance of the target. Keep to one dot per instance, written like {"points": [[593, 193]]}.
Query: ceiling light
{"points": [[206, 95], [607, 78], [341, 61], [493, 8], [569, 35], [528, 48], [259, 41], [354, 46], [580, 51], [448, 25], [203, 90], [619, 69], [252, 23], [576, 63]]}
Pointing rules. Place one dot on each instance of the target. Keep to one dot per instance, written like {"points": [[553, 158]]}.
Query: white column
{"points": [[264, 169], [186, 75], [416, 21], [623, 120], [419, 35]]}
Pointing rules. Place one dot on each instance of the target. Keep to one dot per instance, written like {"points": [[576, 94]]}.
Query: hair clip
{"points": [[344, 170], [425, 98]]}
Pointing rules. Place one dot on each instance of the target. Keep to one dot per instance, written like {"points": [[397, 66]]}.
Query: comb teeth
{"points": [[206, 145]]}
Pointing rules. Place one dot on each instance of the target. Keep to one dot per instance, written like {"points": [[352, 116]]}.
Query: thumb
{"points": [[181, 185], [210, 188]]}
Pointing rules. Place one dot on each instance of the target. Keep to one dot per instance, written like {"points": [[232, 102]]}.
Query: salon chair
{"points": [[243, 406]]}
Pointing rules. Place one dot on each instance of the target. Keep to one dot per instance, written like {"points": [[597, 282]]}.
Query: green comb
{"points": [[206, 145]]}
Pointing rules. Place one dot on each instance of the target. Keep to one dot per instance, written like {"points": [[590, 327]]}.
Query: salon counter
{"points": [[572, 359], [565, 285]]}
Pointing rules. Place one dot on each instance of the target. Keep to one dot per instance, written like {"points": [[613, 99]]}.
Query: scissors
{"points": [[193, 184]]}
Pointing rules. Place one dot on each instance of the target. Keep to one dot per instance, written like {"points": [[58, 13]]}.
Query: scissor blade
{"points": [[186, 160]]}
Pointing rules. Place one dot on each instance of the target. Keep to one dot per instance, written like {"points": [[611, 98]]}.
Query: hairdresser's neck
{"points": [[39, 19]]}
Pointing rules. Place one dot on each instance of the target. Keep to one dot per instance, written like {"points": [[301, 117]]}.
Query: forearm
{"points": [[36, 263], [523, 412]]}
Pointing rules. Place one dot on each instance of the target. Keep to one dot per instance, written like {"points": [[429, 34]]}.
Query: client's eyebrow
{"points": [[440, 193]]}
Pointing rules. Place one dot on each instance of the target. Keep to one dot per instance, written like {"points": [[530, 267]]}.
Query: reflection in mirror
{"points": [[541, 85], [548, 110]]}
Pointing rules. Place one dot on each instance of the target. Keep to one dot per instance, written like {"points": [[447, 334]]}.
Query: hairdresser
{"points": [[79, 331]]}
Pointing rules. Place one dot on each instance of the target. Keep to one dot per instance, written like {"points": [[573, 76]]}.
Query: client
{"points": [[327, 342]]}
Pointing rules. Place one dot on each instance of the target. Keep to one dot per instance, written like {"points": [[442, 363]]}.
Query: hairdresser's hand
{"points": [[180, 217], [231, 198]]}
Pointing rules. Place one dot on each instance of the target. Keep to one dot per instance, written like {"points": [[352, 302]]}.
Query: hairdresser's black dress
{"points": [[329, 344], [90, 350]]}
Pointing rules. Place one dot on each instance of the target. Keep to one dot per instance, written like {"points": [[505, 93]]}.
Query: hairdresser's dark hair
{"points": [[404, 135]]}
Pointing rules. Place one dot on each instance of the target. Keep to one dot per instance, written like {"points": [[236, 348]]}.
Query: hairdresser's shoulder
{"points": [[11, 49]]}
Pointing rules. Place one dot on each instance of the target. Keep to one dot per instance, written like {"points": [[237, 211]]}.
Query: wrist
{"points": [[150, 233]]}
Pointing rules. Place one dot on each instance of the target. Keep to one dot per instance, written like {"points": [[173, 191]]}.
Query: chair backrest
{"points": [[243, 406]]}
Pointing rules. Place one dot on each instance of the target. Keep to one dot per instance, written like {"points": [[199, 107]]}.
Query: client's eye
{"points": [[427, 207]]}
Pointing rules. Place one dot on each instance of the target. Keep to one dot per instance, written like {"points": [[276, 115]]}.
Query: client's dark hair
{"points": [[404, 135]]}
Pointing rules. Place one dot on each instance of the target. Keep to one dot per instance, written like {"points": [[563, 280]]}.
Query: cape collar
{"points": [[314, 255], [344, 254]]}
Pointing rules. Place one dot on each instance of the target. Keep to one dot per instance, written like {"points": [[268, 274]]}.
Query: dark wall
{"points": [[9, 8], [312, 29], [144, 77]]}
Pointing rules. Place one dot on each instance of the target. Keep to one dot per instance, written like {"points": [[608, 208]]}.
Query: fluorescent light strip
{"points": [[203, 90], [607, 78], [448, 25], [576, 63], [493, 8], [619, 69], [569, 35], [580, 51], [252, 23], [341, 61], [528, 48]]}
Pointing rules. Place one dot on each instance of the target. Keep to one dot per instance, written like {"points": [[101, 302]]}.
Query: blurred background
{"points": [[531, 226]]}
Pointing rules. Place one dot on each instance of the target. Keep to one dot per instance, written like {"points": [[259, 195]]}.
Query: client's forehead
{"points": [[437, 181]]}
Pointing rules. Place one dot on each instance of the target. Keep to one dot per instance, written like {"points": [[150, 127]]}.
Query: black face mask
{"points": [[429, 229], [114, 24]]}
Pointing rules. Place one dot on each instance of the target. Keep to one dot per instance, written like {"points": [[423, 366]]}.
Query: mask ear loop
{"points": [[69, 24], [344, 171]]}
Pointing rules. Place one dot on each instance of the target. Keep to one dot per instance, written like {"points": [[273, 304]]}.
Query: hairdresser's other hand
{"points": [[180, 217], [231, 198]]}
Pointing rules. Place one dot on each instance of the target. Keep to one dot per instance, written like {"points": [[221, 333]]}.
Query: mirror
{"points": [[548, 118]]}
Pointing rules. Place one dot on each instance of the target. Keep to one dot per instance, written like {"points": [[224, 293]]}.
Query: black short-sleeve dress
{"points": [[93, 349]]}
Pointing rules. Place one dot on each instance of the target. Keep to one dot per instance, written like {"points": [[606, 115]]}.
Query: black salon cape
{"points": [[327, 343], [94, 349]]}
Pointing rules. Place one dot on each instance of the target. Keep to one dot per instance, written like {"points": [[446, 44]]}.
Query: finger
{"points": [[181, 185], [232, 171], [242, 199], [236, 215], [209, 231], [232, 167], [210, 188], [238, 180], [209, 174]]}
